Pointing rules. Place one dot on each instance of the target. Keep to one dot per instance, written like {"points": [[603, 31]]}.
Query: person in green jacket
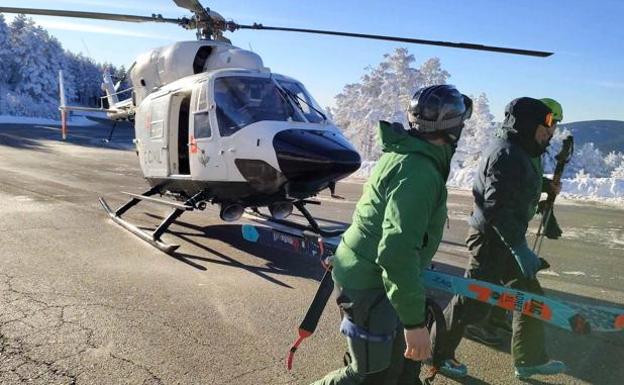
{"points": [[396, 229]]}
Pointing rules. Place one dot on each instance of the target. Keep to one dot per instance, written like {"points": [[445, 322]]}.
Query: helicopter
{"points": [[214, 125]]}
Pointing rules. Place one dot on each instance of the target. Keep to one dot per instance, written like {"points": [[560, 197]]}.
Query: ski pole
{"points": [[563, 157]]}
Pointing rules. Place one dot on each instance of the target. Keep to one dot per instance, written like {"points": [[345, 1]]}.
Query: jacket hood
{"points": [[522, 116], [394, 138]]}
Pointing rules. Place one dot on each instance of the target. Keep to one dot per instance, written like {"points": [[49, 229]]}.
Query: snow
{"points": [[550, 273], [574, 273], [30, 59], [582, 187], [384, 93], [73, 121]]}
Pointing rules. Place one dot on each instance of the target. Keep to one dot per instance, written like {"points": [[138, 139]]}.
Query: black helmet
{"points": [[439, 108]]}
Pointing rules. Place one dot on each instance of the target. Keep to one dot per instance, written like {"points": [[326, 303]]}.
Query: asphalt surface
{"points": [[83, 301]]}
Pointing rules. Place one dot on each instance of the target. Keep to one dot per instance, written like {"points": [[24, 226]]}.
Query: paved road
{"points": [[84, 302]]}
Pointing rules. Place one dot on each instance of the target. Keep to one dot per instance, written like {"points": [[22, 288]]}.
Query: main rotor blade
{"points": [[92, 15], [233, 26], [194, 6]]}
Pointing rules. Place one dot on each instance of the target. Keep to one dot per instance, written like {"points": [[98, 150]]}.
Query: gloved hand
{"points": [[528, 262], [551, 228]]}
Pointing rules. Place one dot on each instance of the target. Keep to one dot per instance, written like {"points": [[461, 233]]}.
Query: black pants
{"points": [[492, 261], [373, 363]]}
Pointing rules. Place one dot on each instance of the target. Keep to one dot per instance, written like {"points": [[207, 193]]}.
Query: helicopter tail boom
{"points": [[118, 110]]}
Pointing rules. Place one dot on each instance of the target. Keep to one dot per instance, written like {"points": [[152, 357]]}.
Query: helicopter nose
{"points": [[314, 157]]}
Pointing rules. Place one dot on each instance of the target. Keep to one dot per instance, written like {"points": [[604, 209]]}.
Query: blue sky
{"points": [[586, 73]]}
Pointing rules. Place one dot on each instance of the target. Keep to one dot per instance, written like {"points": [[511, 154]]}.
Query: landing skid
{"points": [[154, 237]]}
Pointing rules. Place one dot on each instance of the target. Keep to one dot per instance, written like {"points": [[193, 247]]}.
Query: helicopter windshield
{"points": [[313, 113], [243, 100]]}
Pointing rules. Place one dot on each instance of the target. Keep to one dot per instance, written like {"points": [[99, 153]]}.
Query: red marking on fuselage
{"points": [[193, 146], [619, 322]]}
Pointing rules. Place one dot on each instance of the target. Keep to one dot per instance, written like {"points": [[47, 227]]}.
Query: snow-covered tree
{"points": [[6, 61], [29, 63], [431, 72], [38, 58], [478, 130], [618, 172], [613, 160], [383, 93], [591, 160], [476, 136]]}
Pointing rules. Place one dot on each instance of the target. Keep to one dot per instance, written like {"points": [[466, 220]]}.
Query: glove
{"points": [[528, 262], [551, 228]]}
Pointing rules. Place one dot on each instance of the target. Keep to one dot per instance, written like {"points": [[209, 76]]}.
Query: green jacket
{"points": [[398, 222]]}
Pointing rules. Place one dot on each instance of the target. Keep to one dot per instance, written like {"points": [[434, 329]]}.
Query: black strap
{"points": [[434, 317], [312, 316]]}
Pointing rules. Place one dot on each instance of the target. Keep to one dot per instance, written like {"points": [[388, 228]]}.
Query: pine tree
{"points": [[29, 63], [431, 73], [618, 172], [6, 57], [7, 64], [38, 59], [383, 93], [476, 136]]}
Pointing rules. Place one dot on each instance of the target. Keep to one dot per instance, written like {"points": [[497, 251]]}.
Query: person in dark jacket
{"points": [[396, 229], [486, 331], [506, 191]]}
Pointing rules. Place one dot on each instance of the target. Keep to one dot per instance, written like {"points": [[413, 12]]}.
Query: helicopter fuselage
{"points": [[242, 136]]}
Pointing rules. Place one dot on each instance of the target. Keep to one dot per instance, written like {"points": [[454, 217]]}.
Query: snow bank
{"points": [[365, 170], [581, 187], [73, 121]]}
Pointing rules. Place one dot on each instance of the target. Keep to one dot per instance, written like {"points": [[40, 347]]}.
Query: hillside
{"points": [[607, 135]]}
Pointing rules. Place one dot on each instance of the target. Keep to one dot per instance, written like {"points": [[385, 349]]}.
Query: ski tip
{"points": [[250, 233]]}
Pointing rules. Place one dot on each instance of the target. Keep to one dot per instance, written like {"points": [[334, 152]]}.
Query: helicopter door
{"points": [[206, 156], [179, 133], [156, 150]]}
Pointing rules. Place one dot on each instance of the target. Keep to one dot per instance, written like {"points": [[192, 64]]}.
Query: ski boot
{"points": [[549, 368], [453, 368]]}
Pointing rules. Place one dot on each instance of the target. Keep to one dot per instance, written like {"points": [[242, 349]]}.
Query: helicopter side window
{"points": [[202, 124], [243, 100], [157, 114], [201, 116], [202, 100]]}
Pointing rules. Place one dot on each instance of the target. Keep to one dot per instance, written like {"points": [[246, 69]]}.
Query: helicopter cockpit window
{"points": [[243, 100], [309, 107]]}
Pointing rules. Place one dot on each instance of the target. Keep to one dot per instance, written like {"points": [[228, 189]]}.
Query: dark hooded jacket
{"points": [[509, 179]]}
